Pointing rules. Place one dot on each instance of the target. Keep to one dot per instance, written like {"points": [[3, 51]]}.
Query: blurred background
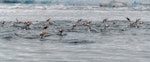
{"points": [[78, 2]]}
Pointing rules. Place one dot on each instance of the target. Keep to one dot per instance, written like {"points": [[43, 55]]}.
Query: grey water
{"points": [[79, 45]]}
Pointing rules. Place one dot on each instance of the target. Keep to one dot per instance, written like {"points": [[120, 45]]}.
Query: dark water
{"points": [[118, 43]]}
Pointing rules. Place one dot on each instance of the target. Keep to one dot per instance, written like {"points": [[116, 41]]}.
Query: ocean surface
{"points": [[117, 43]]}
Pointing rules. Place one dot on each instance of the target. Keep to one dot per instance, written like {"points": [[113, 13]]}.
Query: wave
{"points": [[70, 7]]}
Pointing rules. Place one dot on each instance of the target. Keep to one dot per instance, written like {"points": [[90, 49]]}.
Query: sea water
{"points": [[111, 45]]}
